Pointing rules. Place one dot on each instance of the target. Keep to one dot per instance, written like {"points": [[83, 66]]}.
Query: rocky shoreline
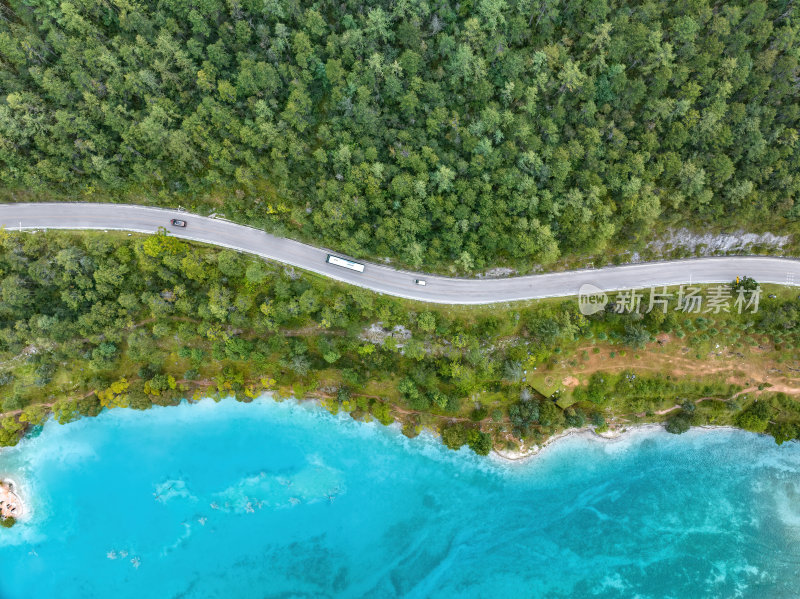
{"points": [[609, 435], [10, 504]]}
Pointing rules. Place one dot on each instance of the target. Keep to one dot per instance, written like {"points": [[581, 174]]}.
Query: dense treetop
{"points": [[435, 132]]}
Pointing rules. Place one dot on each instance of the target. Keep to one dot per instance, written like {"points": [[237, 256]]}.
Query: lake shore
{"points": [[588, 432]]}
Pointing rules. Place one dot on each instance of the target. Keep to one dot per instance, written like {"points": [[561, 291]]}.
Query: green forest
{"points": [[103, 320], [437, 133]]}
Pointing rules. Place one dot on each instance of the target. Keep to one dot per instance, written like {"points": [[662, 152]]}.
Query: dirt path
{"points": [[753, 390], [742, 372]]}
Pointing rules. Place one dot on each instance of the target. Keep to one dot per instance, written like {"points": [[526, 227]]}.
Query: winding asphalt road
{"points": [[383, 279]]}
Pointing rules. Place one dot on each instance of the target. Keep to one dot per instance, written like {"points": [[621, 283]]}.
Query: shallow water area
{"points": [[281, 499]]}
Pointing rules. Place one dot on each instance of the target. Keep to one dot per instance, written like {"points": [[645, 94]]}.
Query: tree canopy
{"points": [[434, 132]]}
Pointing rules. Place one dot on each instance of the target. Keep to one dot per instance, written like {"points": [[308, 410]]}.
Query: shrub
{"points": [[455, 436], [679, 423], [453, 404], [754, 418], [439, 399], [783, 431], [480, 443], [479, 413], [523, 415], [550, 414], [598, 391], [382, 412]]}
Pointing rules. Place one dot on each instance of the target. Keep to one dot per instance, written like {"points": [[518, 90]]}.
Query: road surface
{"points": [[383, 279]]}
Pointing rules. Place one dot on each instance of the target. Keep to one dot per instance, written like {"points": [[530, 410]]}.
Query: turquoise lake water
{"points": [[284, 500]]}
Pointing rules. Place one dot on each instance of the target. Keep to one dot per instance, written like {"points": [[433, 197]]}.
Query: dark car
{"points": [[176, 222]]}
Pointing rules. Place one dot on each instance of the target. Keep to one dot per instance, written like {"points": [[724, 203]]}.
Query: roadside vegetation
{"points": [[104, 320], [455, 136]]}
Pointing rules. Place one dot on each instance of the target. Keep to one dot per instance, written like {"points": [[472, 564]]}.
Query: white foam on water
{"points": [[172, 489]]}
